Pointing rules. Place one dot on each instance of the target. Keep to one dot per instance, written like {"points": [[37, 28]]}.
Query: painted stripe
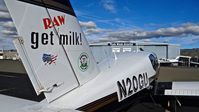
{"points": [[59, 5]]}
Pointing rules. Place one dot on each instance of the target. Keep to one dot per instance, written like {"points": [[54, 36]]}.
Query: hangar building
{"points": [[162, 50]]}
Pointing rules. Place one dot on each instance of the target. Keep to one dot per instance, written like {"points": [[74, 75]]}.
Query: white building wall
{"points": [[173, 51], [160, 51]]}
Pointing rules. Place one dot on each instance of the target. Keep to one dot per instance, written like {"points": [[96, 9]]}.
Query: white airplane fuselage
{"points": [[127, 75]]}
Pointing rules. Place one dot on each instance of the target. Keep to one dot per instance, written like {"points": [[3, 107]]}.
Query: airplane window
{"points": [[154, 61]]}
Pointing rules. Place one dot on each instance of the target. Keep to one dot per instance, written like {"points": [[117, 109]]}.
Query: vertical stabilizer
{"points": [[52, 46]]}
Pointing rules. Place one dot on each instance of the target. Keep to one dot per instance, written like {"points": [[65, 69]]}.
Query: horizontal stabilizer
{"points": [[11, 104]]}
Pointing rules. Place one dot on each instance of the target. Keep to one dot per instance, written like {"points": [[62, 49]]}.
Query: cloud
{"points": [[184, 29], [8, 29], [4, 15], [87, 25], [9, 33], [8, 24], [6, 44], [196, 39], [90, 28], [109, 5], [1, 40], [146, 40], [94, 31], [2, 6]]}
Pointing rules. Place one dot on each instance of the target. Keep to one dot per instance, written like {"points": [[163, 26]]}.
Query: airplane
{"points": [[180, 61], [60, 63]]}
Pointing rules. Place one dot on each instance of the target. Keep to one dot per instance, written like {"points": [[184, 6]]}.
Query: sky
{"points": [[171, 21]]}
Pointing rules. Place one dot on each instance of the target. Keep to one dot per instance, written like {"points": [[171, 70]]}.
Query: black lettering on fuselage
{"points": [[51, 38], [63, 39], [43, 38], [146, 82], [80, 38], [135, 83], [73, 38], [70, 40], [122, 89], [130, 86], [34, 40], [77, 39], [141, 81]]}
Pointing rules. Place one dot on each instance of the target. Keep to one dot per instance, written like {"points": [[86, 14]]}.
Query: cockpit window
{"points": [[154, 61]]}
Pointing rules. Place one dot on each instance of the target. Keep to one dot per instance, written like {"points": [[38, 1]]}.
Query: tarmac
{"points": [[19, 85], [169, 74], [12, 66]]}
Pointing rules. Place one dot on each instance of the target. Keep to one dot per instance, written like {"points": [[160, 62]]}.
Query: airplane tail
{"points": [[52, 46]]}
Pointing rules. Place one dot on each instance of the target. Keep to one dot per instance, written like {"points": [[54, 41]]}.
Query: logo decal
{"points": [[49, 58], [56, 21], [83, 61]]}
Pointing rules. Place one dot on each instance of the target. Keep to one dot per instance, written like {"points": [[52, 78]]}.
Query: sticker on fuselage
{"points": [[83, 62], [48, 35], [49, 59], [131, 85]]}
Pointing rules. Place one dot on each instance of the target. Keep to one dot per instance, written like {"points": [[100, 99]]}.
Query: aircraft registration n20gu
{"points": [[60, 64]]}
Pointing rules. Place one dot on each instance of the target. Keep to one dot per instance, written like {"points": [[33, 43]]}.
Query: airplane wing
{"points": [[183, 89], [8, 103], [12, 104]]}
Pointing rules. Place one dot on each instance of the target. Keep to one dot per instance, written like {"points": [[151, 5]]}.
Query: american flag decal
{"points": [[49, 58]]}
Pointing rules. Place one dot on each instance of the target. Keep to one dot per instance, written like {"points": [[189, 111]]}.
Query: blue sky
{"points": [[172, 21], [140, 12], [143, 15]]}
